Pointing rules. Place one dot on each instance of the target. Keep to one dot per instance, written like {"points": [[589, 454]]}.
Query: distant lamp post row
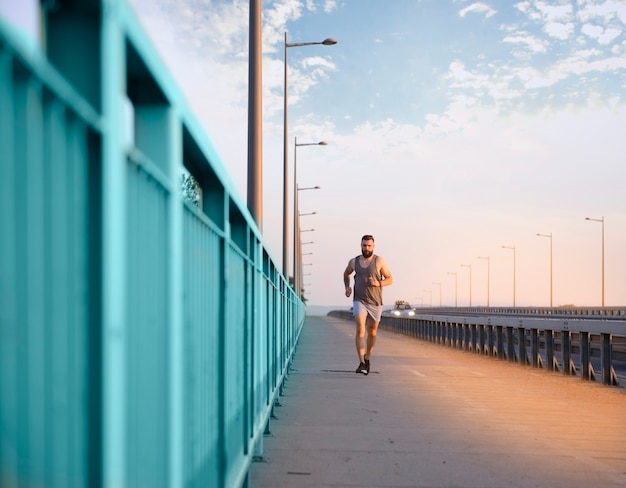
{"points": [[296, 215], [487, 258], [325, 42], [297, 239]]}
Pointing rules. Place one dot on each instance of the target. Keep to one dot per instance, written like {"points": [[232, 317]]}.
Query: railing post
{"points": [[521, 346], [606, 351], [510, 345], [482, 340], [491, 346], [500, 341], [534, 348], [586, 368], [552, 363], [114, 266], [566, 345]]}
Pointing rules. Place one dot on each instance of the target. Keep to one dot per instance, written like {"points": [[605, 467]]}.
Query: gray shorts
{"points": [[374, 311]]}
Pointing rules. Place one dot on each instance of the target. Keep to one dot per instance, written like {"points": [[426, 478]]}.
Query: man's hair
{"points": [[367, 237]]}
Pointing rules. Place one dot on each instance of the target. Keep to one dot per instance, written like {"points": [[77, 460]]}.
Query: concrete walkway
{"points": [[430, 416]]}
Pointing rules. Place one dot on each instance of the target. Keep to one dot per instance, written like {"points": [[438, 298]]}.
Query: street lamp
{"points": [[488, 273], [470, 277], [325, 42], [456, 282], [439, 285], [309, 188], [601, 220], [430, 294], [550, 237], [513, 248]]}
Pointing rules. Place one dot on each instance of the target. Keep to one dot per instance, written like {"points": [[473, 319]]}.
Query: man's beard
{"points": [[367, 254]]}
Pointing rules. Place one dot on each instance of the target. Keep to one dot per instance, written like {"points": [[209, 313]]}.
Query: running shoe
{"points": [[367, 367], [361, 369]]}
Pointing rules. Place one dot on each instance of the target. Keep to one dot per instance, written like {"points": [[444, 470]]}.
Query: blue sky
{"points": [[453, 128]]}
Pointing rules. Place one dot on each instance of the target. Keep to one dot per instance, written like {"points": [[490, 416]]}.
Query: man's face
{"points": [[367, 248]]}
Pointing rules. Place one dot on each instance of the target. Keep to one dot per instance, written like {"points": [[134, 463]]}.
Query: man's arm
{"points": [[346, 277], [385, 274]]}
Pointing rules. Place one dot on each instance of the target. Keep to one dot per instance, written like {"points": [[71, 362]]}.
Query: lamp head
{"points": [[329, 42]]}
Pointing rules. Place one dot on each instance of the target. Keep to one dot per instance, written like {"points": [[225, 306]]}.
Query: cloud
{"points": [[330, 5], [600, 34], [607, 11], [559, 30], [478, 8], [531, 42]]}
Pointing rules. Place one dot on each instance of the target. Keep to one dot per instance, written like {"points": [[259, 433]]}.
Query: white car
{"points": [[401, 309]]}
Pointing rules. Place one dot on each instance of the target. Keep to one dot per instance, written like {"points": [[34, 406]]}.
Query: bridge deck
{"points": [[429, 416]]}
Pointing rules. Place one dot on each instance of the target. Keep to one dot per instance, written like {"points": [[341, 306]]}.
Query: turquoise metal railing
{"points": [[143, 339]]}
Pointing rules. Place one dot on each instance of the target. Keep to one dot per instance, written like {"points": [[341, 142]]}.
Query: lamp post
{"points": [[488, 274], [550, 237], [325, 42], [513, 248], [439, 285], [456, 282], [255, 116], [601, 220], [470, 281], [430, 295]]}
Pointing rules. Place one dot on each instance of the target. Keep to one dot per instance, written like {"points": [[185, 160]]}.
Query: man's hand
{"points": [[348, 291]]}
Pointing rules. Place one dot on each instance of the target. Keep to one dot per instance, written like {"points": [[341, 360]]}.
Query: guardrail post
{"points": [[586, 368], [521, 346], [500, 341], [606, 351], [566, 345], [510, 345], [534, 348], [482, 341], [552, 363], [491, 346]]}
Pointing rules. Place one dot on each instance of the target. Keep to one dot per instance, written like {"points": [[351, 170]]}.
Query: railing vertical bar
{"points": [[521, 346], [534, 348], [586, 368]]}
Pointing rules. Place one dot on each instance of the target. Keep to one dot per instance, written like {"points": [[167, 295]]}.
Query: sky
{"points": [[454, 128]]}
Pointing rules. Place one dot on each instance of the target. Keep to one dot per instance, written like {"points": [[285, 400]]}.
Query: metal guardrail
{"points": [[143, 339], [526, 336]]}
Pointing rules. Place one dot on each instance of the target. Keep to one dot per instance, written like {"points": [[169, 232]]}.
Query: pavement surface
{"points": [[431, 416]]}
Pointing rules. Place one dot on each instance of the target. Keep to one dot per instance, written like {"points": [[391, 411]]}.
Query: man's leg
{"points": [[372, 328], [359, 338]]}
